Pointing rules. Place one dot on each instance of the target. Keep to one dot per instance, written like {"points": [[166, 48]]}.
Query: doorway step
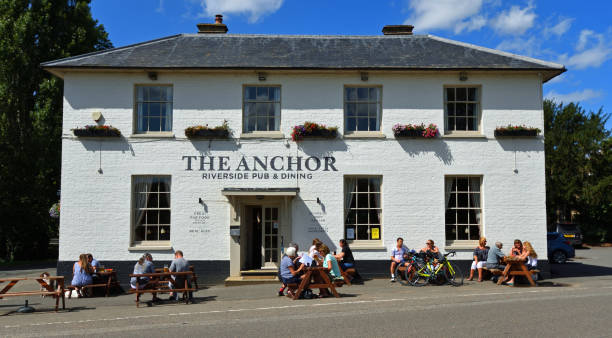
{"points": [[250, 277]]}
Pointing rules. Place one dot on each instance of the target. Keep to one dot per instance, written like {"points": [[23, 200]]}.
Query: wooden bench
{"points": [[46, 289], [159, 282], [194, 279], [111, 281]]}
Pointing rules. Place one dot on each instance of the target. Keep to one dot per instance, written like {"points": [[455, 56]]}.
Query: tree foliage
{"points": [[578, 168], [31, 32]]}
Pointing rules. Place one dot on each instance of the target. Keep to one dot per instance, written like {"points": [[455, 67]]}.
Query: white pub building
{"points": [[231, 204]]}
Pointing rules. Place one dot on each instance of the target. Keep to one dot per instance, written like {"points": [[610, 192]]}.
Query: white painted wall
{"points": [[96, 207]]}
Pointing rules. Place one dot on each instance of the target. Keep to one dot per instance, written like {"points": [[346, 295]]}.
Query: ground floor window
{"points": [[151, 208], [362, 209], [463, 208]]}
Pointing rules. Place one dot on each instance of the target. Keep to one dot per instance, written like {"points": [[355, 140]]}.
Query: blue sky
{"points": [[577, 34]]}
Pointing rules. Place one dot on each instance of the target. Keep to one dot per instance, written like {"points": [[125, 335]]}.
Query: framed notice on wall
{"points": [[350, 233], [375, 233]]}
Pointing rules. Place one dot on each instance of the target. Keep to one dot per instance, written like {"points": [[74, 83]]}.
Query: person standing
{"points": [[180, 264]]}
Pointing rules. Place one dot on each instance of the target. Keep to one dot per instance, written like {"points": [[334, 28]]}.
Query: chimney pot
{"points": [[213, 28], [398, 29]]}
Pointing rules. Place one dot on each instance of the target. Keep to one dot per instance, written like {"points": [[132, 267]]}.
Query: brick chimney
{"points": [[398, 29], [213, 28]]}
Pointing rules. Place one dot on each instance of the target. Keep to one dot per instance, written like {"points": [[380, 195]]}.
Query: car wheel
{"points": [[559, 257]]}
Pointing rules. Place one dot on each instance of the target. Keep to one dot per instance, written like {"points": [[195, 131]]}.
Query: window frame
{"points": [[365, 242], [481, 225], [280, 105], [134, 225], [478, 110], [135, 130], [380, 109]]}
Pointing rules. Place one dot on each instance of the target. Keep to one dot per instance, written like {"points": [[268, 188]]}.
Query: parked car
{"points": [[571, 232], [559, 248]]}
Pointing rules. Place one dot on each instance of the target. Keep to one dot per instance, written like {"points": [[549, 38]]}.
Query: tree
{"points": [[31, 32], [578, 168]]}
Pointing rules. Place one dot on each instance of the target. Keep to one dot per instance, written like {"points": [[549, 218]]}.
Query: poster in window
{"points": [[375, 233], [350, 233]]}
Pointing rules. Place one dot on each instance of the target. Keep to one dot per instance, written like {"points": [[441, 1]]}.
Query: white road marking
{"points": [[539, 290]]}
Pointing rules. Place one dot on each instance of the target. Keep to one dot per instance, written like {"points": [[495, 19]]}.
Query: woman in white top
{"points": [[532, 256], [313, 252]]}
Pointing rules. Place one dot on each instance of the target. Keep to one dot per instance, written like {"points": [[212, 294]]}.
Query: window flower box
{"points": [[96, 131], [415, 130], [516, 131], [313, 130], [195, 132]]}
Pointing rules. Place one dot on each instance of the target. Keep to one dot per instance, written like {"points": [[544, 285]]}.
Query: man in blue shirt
{"points": [[495, 256], [397, 256]]}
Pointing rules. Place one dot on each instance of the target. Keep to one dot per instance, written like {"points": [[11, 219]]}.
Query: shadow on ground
{"points": [[577, 269]]}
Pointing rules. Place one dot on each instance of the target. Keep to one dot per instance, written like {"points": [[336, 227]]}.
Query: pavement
{"points": [[577, 301]]}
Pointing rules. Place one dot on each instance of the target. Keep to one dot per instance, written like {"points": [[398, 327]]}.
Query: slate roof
{"points": [[260, 52]]}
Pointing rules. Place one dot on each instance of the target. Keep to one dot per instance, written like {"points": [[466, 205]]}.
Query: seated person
{"points": [[345, 257], [480, 257], [81, 274], [331, 267], [517, 249], [288, 273], [397, 256], [431, 248], [313, 252], [494, 258], [139, 268], [531, 258], [180, 264], [93, 262], [281, 291]]}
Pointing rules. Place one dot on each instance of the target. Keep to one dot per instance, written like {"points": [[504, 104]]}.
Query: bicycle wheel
{"points": [[418, 276], [453, 274], [402, 274]]}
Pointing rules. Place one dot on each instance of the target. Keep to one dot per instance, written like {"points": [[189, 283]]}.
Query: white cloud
{"points": [[457, 15], [160, 8], [559, 29], [529, 47], [474, 24], [577, 96], [514, 21], [255, 9], [592, 51], [558, 79]]}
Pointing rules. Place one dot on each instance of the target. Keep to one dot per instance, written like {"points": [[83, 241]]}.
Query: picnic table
{"points": [[312, 273], [108, 278], [515, 267], [194, 279], [159, 282], [45, 288]]}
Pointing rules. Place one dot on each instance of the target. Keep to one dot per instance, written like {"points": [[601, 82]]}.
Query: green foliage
{"points": [[578, 168], [32, 32]]}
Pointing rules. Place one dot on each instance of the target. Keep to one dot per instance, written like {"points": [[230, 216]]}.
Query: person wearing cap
{"points": [[288, 273]]}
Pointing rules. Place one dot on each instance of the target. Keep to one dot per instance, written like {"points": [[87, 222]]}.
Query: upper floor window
{"points": [[463, 208], [153, 108], [362, 209], [261, 108], [362, 107], [462, 108], [151, 205]]}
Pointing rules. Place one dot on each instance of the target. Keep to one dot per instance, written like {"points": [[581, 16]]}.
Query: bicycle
{"points": [[404, 271], [435, 271]]}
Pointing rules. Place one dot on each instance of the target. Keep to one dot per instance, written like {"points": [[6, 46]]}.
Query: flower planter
{"points": [[321, 133], [415, 131], [206, 133], [516, 133], [311, 130], [408, 133], [104, 131]]}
